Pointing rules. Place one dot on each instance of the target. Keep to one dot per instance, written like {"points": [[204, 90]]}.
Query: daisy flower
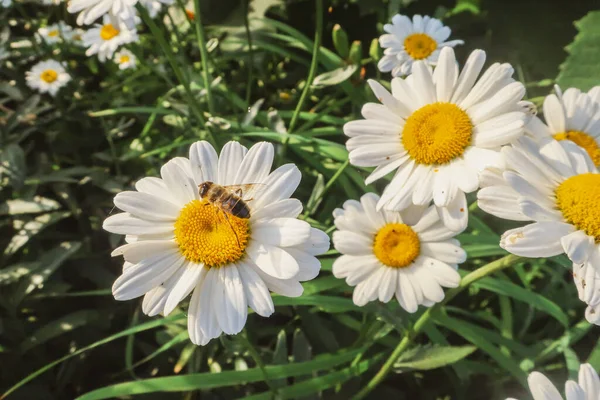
{"points": [[125, 59], [408, 41], [154, 6], [106, 38], [54, 33], [573, 116], [409, 254], [438, 131], [588, 387], [90, 10], [75, 36], [182, 19], [557, 187], [179, 243], [47, 77]]}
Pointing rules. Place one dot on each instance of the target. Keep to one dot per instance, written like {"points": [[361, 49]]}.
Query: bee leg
{"points": [[233, 230]]}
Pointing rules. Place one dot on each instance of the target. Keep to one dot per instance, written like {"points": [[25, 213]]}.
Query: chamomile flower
{"points": [[125, 59], [408, 41], [47, 77], [587, 387], [54, 33], [154, 6], [574, 116], [90, 10], [75, 36], [437, 131], [557, 187], [409, 254], [179, 243], [104, 39]]}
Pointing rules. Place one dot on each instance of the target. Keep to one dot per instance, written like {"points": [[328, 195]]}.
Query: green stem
{"points": [[474, 276], [204, 57], [313, 66], [157, 33], [250, 53]]}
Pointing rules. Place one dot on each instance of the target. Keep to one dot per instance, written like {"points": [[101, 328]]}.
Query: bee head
{"points": [[203, 189]]}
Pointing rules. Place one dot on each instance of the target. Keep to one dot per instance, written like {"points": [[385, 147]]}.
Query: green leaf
{"points": [[58, 327], [425, 358], [36, 205], [210, 380], [12, 166], [581, 69], [466, 330], [516, 292], [140, 328]]}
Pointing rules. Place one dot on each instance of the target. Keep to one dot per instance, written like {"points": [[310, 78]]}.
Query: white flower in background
{"points": [[154, 6], [408, 41], [125, 59], [54, 33], [75, 36], [106, 38], [557, 187], [588, 387], [409, 254], [573, 116], [438, 132], [47, 77], [51, 2], [182, 19], [5, 3], [179, 243], [90, 10]]}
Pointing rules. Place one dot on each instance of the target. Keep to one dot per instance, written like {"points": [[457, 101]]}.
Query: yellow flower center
{"points": [[124, 59], [108, 32], [578, 198], [53, 33], [396, 245], [419, 45], [49, 75], [437, 133], [205, 235], [582, 140]]}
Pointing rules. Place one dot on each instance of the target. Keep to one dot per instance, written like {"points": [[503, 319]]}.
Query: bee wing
{"points": [[247, 191]]}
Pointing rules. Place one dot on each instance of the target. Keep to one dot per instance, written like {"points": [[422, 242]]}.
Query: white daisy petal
{"points": [[540, 239], [145, 275], [126, 224], [234, 306], [541, 388], [204, 160], [273, 260], [191, 276], [229, 163], [257, 294], [589, 380], [146, 206], [256, 164]]}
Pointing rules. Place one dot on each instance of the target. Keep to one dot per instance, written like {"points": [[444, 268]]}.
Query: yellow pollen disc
{"points": [[396, 245], [204, 235], [124, 59], [437, 133], [578, 198], [49, 76], [108, 32], [582, 140], [419, 45], [53, 33]]}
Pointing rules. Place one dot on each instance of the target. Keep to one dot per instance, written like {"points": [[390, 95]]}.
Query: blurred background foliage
{"points": [[62, 335]]}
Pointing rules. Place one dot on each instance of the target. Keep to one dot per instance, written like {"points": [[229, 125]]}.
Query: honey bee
{"points": [[229, 199]]}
